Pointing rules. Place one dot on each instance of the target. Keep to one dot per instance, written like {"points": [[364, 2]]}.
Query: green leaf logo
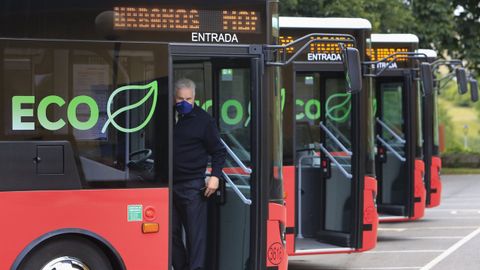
{"points": [[340, 111], [152, 92]]}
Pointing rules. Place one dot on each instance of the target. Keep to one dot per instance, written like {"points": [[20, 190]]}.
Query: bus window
{"points": [[338, 189], [393, 186], [308, 110], [65, 90], [436, 136], [419, 120]]}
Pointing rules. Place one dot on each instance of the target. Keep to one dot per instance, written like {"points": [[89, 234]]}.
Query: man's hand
{"points": [[211, 186]]}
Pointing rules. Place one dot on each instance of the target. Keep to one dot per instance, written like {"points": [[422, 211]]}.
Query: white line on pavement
{"points": [[451, 249], [378, 268], [430, 228], [392, 229], [457, 217], [407, 251], [454, 209], [433, 237]]}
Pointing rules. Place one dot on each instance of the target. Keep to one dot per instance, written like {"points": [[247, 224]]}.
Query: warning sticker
{"points": [[134, 212]]}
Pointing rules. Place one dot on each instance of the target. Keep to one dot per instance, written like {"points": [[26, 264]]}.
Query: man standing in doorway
{"points": [[195, 138]]}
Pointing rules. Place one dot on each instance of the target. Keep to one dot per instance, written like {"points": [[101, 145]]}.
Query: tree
{"points": [[434, 24], [386, 16], [451, 27], [467, 22]]}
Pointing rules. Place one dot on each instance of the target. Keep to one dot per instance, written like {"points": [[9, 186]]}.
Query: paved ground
{"points": [[448, 238]]}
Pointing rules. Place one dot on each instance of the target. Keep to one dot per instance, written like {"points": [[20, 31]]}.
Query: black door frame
{"points": [[259, 189]]}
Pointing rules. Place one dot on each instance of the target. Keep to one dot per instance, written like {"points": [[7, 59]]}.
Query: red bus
{"points": [[328, 142], [398, 115], [431, 144], [431, 153], [86, 131]]}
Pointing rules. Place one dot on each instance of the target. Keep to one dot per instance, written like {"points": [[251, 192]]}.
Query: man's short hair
{"points": [[185, 83]]}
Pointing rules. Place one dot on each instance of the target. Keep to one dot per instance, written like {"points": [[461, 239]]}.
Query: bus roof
{"points": [[325, 23], [394, 38], [429, 52]]}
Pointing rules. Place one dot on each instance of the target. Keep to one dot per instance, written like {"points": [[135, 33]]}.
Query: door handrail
{"points": [[235, 142], [237, 190], [330, 134], [391, 149], [390, 130], [236, 158], [332, 158]]}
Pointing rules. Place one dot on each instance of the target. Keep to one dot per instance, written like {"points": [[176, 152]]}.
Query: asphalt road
{"points": [[447, 238]]}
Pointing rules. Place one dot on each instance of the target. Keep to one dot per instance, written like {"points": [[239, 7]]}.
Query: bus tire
{"points": [[78, 252]]}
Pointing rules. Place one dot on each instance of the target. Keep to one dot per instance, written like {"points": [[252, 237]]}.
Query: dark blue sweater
{"points": [[195, 138]]}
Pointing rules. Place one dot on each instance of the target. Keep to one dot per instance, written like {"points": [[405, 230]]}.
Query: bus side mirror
{"points": [[426, 76], [474, 90], [461, 75], [352, 69]]}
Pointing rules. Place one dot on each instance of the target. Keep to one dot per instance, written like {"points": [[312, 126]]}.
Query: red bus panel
{"points": [[435, 182], [86, 210]]}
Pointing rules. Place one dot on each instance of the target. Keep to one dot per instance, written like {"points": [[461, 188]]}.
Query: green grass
{"points": [[456, 171], [461, 116]]}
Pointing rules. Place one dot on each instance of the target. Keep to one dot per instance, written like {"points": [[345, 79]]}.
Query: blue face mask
{"points": [[183, 107]]}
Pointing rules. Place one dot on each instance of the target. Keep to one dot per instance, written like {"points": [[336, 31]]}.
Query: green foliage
{"points": [[385, 15], [461, 160], [450, 93], [468, 31], [434, 21], [459, 171], [434, 24], [445, 120]]}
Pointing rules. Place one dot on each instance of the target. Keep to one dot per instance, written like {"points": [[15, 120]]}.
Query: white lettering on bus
{"points": [[214, 37], [384, 65], [324, 57]]}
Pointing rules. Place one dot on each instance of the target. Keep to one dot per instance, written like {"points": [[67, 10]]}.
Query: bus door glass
{"points": [[323, 161], [436, 125], [224, 89], [391, 143]]}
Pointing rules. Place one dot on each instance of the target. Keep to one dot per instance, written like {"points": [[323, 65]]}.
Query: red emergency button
{"points": [[150, 213]]}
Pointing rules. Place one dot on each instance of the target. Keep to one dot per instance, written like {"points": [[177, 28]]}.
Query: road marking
{"points": [[377, 268], [454, 209], [406, 251], [457, 217], [433, 237], [461, 199], [451, 249], [392, 229], [429, 228]]}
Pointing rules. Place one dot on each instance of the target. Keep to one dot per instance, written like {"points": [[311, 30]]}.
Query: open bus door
{"points": [[396, 148], [433, 162], [229, 80], [330, 205], [431, 157], [395, 66]]}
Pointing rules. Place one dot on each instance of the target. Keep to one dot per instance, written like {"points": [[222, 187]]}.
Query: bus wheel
{"points": [[73, 253]]}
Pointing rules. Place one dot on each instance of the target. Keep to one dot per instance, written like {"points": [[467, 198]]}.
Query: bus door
{"points": [[428, 121], [327, 194], [228, 81], [395, 159]]}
